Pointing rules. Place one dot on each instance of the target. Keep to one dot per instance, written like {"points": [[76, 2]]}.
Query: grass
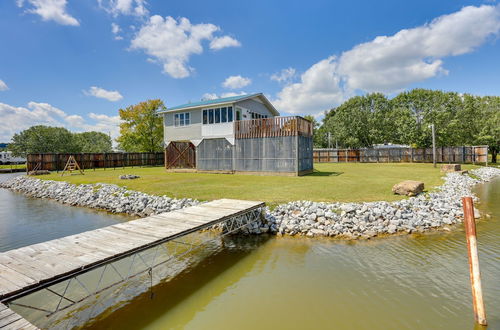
{"points": [[330, 182], [23, 166]]}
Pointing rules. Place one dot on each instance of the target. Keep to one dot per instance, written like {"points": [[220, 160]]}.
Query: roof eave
{"points": [[197, 107]]}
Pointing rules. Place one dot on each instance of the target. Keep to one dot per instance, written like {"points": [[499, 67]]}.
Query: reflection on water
{"points": [[417, 282], [25, 221]]}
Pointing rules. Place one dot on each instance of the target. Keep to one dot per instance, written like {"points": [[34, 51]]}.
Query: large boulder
{"points": [[451, 167], [408, 188]]}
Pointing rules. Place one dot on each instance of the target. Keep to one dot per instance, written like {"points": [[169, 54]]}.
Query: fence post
{"points": [[487, 147], [475, 274]]}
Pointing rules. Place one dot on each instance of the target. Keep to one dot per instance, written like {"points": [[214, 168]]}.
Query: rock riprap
{"points": [[107, 197], [128, 177], [344, 220], [364, 220]]}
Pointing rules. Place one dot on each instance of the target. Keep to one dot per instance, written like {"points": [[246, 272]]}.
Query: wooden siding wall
{"points": [[464, 154], [56, 162], [272, 127]]}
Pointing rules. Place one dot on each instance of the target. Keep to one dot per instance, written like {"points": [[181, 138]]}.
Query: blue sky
{"points": [[75, 63]]}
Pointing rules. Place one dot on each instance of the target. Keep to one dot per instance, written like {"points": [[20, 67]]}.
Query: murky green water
{"points": [[415, 282], [408, 282], [25, 221]]}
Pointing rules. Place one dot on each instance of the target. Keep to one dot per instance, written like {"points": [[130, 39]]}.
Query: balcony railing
{"points": [[272, 127]]}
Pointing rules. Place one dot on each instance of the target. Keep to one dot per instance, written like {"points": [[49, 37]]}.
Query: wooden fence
{"points": [[56, 162], [464, 154], [272, 127]]}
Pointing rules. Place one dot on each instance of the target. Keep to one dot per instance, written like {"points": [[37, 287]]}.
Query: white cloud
{"points": [[229, 94], [50, 10], [319, 88], [115, 29], [16, 119], [104, 94], [223, 42], [172, 42], [213, 96], [285, 75], [209, 96], [390, 63], [235, 82], [124, 7], [3, 86]]}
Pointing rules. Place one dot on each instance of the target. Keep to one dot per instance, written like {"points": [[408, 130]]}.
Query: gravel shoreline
{"points": [[312, 219]]}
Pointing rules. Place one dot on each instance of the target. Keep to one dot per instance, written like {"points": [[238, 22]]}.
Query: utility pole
{"points": [[433, 145]]}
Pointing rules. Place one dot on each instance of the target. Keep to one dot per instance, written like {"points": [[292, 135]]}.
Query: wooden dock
{"points": [[33, 267], [11, 320]]}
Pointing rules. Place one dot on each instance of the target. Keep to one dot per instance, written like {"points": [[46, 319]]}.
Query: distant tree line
{"points": [[459, 119], [48, 139], [141, 130]]}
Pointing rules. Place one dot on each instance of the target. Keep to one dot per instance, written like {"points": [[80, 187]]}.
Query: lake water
{"points": [[25, 221], [406, 282]]}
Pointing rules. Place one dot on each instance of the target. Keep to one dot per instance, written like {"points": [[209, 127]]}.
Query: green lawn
{"points": [[329, 182], [14, 166]]}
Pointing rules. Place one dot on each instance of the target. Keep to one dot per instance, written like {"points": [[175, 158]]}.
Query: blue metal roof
{"points": [[208, 102]]}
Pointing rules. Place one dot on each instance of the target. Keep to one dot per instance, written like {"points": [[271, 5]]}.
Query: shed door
{"points": [[180, 155]]}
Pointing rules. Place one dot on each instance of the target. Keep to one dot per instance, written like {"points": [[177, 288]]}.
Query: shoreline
{"points": [[436, 210]]}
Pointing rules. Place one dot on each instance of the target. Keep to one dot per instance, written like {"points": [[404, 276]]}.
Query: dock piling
{"points": [[475, 274]]}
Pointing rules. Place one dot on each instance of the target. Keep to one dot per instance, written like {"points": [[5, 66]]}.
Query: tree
{"points": [[459, 119], [93, 142], [141, 129], [315, 125], [43, 139], [490, 130], [359, 122]]}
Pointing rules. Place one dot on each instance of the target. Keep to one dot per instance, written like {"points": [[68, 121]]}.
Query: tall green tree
{"points": [[459, 119], [489, 133], [359, 122], [315, 125], [93, 142], [43, 139], [141, 129]]}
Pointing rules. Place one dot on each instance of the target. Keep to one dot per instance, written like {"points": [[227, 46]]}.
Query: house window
{"points": [[217, 115], [211, 116], [223, 115], [182, 119], [205, 117]]}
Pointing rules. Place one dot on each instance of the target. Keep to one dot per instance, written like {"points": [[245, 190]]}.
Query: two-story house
{"points": [[236, 134]]}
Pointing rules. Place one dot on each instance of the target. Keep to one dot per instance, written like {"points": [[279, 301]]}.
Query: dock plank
{"points": [[11, 320], [41, 264]]}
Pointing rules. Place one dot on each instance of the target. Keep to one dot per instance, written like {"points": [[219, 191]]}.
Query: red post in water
{"points": [[475, 275]]}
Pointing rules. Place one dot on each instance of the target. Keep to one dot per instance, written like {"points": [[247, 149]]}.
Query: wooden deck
{"points": [[11, 320], [32, 267]]}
